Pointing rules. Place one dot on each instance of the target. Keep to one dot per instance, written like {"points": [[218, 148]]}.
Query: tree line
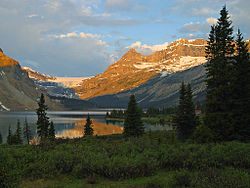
{"points": [[227, 104]]}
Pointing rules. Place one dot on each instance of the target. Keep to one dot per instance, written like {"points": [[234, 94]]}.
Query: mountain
{"points": [[49, 83], [134, 69], [17, 90], [55, 86], [160, 91], [65, 81]]}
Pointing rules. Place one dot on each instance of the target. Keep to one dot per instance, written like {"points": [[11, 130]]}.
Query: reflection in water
{"points": [[100, 128], [67, 124]]}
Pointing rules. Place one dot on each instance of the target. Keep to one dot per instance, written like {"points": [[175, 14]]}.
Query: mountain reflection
{"points": [[100, 128]]}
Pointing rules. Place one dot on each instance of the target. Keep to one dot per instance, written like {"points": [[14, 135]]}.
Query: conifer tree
{"points": [[241, 91], [18, 134], [185, 119], [9, 136], [133, 125], [43, 120], [1, 138], [52, 131], [26, 131], [88, 130], [219, 80]]}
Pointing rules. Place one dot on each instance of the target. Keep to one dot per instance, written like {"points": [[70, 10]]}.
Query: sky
{"points": [[84, 37]]}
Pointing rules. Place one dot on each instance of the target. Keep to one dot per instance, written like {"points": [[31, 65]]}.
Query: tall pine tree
{"points": [[9, 136], [219, 80], [43, 120], [241, 91], [26, 131], [133, 125], [185, 119], [88, 130], [18, 134]]}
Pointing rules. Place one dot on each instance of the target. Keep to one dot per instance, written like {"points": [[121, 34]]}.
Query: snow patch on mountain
{"points": [[69, 81], [4, 107]]}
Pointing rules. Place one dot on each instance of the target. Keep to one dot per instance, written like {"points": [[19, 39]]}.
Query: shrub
{"points": [[202, 134]]}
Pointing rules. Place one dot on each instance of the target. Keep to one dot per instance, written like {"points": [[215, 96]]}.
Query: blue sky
{"points": [[83, 37]]}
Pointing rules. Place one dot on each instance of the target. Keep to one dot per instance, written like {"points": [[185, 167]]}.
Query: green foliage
{"points": [[15, 138], [27, 131], [9, 136], [51, 131], [1, 138], [88, 130], [133, 125], [202, 134], [182, 179], [185, 119], [241, 91], [43, 120], [120, 114], [18, 134], [228, 83], [118, 158]]}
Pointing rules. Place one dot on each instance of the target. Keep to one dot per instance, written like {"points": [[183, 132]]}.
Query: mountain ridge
{"points": [[134, 69]]}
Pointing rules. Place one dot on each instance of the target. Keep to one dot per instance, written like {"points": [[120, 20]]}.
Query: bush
{"points": [[182, 179], [202, 134]]}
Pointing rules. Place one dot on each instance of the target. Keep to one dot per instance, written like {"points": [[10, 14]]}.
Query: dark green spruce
{"points": [[241, 91], [52, 135], [26, 131], [133, 125], [43, 120], [219, 80], [88, 130], [1, 138], [185, 119], [9, 136], [18, 135]]}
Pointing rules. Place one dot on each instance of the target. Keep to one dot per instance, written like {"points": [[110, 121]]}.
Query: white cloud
{"points": [[202, 11], [191, 27], [211, 21], [77, 35], [198, 29], [144, 48], [32, 15]]}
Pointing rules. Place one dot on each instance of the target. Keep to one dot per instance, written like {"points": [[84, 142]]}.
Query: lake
{"points": [[68, 124]]}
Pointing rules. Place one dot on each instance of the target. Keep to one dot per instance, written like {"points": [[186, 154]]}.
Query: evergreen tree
{"points": [[241, 91], [43, 120], [180, 119], [133, 125], [9, 136], [26, 131], [1, 138], [18, 135], [185, 119], [219, 78], [52, 131], [190, 111], [88, 130]]}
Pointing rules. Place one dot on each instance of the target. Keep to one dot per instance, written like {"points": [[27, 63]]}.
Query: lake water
{"points": [[68, 124]]}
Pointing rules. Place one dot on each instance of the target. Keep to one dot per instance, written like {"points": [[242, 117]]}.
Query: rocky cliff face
{"points": [[134, 69], [17, 90]]}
